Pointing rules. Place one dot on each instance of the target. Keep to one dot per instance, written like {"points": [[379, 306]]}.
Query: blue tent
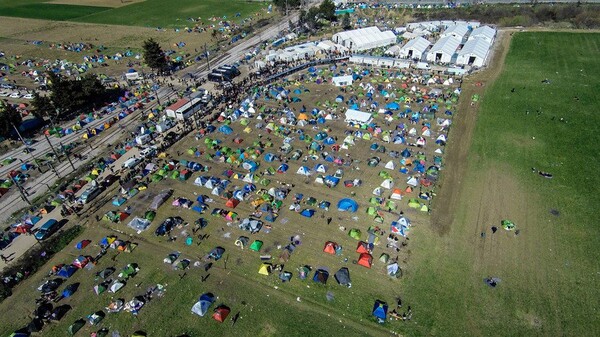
{"points": [[329, 141], [392, 106], [406, 153], [283, 168], [226, 129], [321, 276], [380, 310], [308, 213], [339, 99], [70, 290], [67, 271], [320, 136], [204, 302], [269, 157], [347, 205], [331, 181], [297, 91], [118, 201], [270, 217]]}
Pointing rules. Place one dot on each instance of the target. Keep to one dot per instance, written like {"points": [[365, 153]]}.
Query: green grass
{"points": [[152, 13], [550, 271]]}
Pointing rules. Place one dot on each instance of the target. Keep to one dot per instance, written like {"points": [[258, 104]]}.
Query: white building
{"points": [[364, 38], [484, 32], [414, 49], [474, 52], [458, 31], [443, 50]]}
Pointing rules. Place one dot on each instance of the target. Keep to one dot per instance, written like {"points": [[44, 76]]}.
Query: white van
{"points": [[89, 194], [143, 139], [131, 163]]}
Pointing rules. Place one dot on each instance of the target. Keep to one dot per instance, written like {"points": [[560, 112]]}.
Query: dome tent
{"points": [[348, 205]]}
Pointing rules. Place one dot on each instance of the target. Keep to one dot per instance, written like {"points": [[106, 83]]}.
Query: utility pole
{"points": [[20, 188], [67, 153], [54, 169], [52, 147], [27, 148]]}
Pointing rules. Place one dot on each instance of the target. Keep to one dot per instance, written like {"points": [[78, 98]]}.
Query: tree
{"points": [[327, 10], [154, 56], [42, 106], [9, 116], [289, 4], [346, 21]]}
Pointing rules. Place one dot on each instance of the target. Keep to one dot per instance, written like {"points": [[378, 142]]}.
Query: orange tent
{"points": [[365, 260], [232, 203], [330, 247], [362, 247], [221, 313], [302, 117]]}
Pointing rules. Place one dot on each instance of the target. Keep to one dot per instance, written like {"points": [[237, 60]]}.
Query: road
{"points": [[38, 185]]}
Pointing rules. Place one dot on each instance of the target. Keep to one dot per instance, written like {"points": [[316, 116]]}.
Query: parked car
{"points": [[4, 93], [47, 229], [15, 95], [28, 96]]}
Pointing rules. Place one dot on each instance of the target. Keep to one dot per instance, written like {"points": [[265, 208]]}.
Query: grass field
{"points": [[549, 271], [149, 13]]}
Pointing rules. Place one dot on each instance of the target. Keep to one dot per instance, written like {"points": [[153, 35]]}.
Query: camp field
{"points": [[540, 113], [148, 13]]}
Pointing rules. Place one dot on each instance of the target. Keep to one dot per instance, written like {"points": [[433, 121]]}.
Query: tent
{"points": [[354, 233], [303, 170], [365, 260], [201, 307], [348, 205], [308, 213], [363, 247], [82, 244], [216, 253], [139, 224], [342, 277], [380, 309], [321, 276], [76, 326], [330, 247], [159, 199], [508, 225], [232, 203], [66, 271], [265, 269], [221, 313], [256, 245], [394, 270], [388, 183], [70, 290]]}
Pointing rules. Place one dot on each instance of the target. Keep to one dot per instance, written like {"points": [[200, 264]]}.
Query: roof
{"points": [[456, 30], [357, 116], [477, 47], [366, 38], [420, 44], [446, 45], [181, 102], [484, 32]]}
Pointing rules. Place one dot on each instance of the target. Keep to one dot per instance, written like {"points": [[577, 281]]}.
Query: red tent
{"points": [[365, 260], [330, 247], [362, 247], [22, 228], [232, 203], [221, 313]]}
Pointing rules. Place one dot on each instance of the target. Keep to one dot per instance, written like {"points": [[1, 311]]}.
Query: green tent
{"points": [[508, 225], [76, 326], [390, 205], [129, 271], [384, 174], [374, 201], [413, 203], [192, 150], [265, 182], [175, 175], [354, 233], [256, 245], [371, 211], [384, 258]]}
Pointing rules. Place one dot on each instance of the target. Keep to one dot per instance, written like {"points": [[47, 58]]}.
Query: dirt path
{"points": [[461, 137]]}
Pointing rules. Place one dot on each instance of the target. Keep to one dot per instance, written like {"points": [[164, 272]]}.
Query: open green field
{"points": [[149, 13], [549, 271]]}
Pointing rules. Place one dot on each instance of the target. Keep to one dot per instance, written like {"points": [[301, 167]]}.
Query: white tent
{"points": [[249, 178], [484, 32], [341, 81], [139, 224], [396, 195], [443, 50], [474, 52], [364, 38], [198, 181], [388, 183], [458, 31], [356, 116], [377, 191], [390, 165], [414, 49], [303, 170], [412, 181], [321, 168]]}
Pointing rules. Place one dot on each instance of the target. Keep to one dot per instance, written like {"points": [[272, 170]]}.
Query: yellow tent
{"points": [[303, 117], [265, 269], [247, 129], [162, 155]]}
